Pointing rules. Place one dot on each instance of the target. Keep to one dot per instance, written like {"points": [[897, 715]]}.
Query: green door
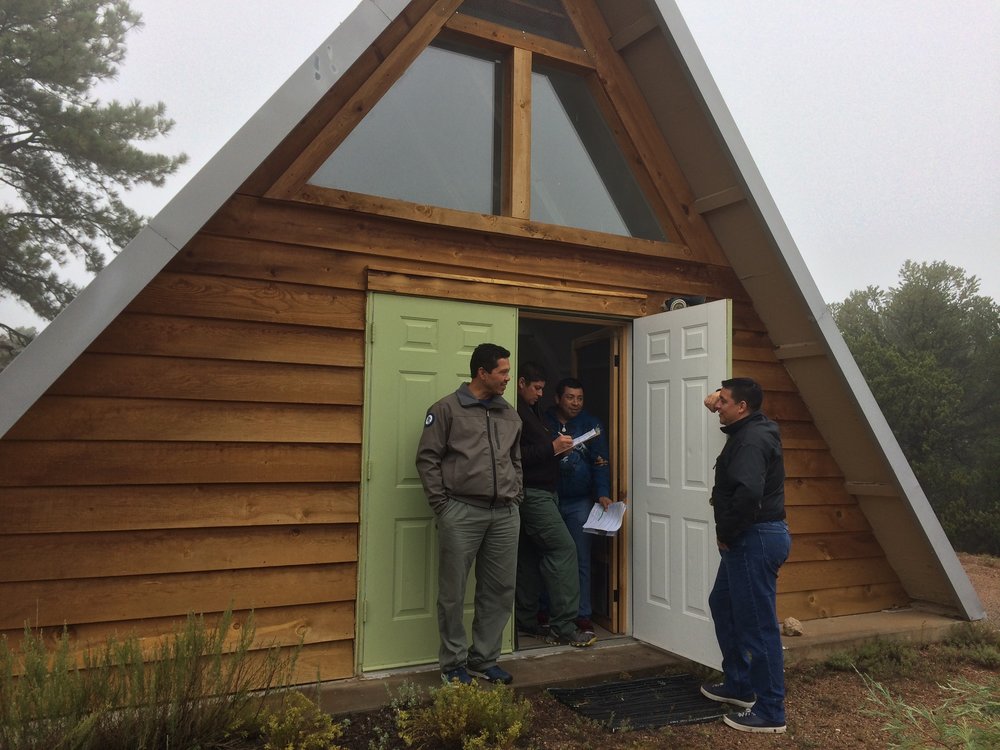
{"points": [[419, 351]]}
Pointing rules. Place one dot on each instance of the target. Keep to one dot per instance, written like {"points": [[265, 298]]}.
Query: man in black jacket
{"points": [[749, 503], [546, 553]]}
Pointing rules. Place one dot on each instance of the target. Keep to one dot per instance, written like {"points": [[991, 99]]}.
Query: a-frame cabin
{"points": [[226, 416]]}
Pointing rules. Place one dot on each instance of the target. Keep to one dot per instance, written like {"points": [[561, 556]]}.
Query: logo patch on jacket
{"points": [[428, 420]]}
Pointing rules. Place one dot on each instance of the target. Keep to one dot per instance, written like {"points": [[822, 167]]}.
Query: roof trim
{"points": [[676, 30], [27, 378]]}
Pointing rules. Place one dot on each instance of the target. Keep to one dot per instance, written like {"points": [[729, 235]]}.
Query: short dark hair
{"points": [[532, 372], [486, 356], [565, 383], [745, 389]]}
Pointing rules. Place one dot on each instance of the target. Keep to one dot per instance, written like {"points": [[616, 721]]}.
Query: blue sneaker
{"points": [[716, 691], [748, 721], [494, 674], [458, 676]]}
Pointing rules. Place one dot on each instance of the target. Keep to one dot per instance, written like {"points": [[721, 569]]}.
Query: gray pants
{"points": [[546, 555], [467, 534]]}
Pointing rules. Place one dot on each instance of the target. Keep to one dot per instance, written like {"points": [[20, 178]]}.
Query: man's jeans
{"points": [[746, 624], [575, 512]]}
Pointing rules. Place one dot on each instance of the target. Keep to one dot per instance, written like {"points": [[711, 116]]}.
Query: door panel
{"points": [[419, 352], [678, 358]]}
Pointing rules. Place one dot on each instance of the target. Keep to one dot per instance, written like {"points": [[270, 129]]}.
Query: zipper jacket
{"points": [[585, 471], [749, 477], [470, 451]]}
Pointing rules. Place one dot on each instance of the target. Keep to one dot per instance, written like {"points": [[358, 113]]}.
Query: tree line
{"points": [[930, 351]]}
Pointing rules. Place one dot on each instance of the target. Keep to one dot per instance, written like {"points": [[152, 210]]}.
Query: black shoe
{"points": [[717, 692], [748, 721], [457, 676]]}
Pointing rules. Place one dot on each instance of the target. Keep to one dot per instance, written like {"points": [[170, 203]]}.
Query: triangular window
{"points": [[436, 138], [579, 177], [432, 139]]}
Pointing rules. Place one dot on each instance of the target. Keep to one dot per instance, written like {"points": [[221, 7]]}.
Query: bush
{"points": [[299, 724], [974, 642], [193, 690], [467, 717], [969, 718], [877, 658]]}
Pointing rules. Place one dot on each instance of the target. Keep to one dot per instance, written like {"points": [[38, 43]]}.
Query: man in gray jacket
{"points": [[469, 461]]}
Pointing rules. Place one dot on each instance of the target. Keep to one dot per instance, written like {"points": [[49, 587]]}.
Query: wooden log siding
{"points": [[205, 451]]}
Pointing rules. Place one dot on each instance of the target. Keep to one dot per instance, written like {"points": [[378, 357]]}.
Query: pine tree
{"points": [[65, 156], [929, 348]]}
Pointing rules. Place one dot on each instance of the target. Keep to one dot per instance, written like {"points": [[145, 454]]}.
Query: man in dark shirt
{"points": [[749, 503], [546, 553]]}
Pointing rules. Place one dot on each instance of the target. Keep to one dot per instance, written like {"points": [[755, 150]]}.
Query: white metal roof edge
{"points": [[677, 31], [32, 372]]}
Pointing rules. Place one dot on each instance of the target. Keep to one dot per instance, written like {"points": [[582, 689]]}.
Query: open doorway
{"points": [[590, 349]]}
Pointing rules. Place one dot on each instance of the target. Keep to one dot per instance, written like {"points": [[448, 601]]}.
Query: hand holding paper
{"points": [[605, 522]]}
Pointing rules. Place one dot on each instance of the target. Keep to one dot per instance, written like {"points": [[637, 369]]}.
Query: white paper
{"points": [[605, 522], [586, 436]]}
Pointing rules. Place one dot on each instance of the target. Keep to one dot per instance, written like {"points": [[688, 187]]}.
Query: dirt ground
{"points": [[826, 709]]}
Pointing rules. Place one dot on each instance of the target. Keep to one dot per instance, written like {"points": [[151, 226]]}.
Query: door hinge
{"points": [[371, 332], [368, 471], [617, 360], [614, 596], [364, 611]]}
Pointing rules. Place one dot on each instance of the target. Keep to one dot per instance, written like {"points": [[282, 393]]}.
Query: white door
{"points": [[678, 358]]}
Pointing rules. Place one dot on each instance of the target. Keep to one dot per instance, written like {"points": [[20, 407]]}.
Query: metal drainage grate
{"points": [[641, 704]]}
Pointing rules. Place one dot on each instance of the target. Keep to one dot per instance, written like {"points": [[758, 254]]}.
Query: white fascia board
{"points": [[676, 30], [32, 372]]}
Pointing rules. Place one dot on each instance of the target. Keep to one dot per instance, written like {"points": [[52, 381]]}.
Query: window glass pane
{"points": [[579, 177], [540, 17], [432, 139]]}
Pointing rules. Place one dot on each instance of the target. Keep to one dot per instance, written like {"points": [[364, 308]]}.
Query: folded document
{"points": [[605, 522]]}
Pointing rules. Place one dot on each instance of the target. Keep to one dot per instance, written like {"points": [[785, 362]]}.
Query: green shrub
{"points": [[877, 658], [193, 690], [468, 717], [969, 718], [299, 724]]}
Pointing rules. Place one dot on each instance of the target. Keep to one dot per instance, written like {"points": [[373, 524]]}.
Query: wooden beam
{"points": [[364, 99], [237, 340], [870, 489], [559, 52], [509, 292], [630, 103], [37, 557], [29, 463], [506, 225], [39, 510], [721, 199], [52, 603], [634, 31], [799, 350], [517, 136]]}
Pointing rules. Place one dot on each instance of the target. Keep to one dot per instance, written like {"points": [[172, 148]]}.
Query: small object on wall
{"points": [[679, 303]]}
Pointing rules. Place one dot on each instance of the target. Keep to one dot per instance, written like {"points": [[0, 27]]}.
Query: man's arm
{"points": [[745, 473], [431, 448]]}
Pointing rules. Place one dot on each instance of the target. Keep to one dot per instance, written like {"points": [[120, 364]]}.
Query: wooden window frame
{"points": [[623, 108]]}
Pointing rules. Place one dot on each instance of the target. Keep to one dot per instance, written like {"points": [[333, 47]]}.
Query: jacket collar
{"points": [[731, 429]]}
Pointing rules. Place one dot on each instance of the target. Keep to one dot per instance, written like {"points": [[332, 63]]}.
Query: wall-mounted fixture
{"points": [[679, 303]]}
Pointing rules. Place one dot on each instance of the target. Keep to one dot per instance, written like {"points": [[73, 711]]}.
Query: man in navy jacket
{"points": [[584, 478], [749, 507]]}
